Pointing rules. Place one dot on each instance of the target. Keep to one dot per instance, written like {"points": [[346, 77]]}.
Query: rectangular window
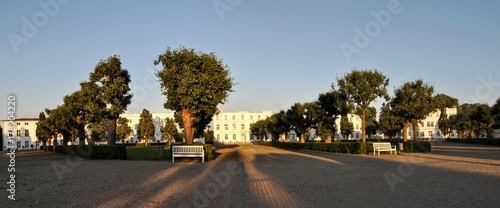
{"points": [[26, 144], [242, 126], [18, 144], [226, 137], [438, 133], [26, 132], [234, 136], [430, 133], [428, 124], [10, 133], [218, 137], [432, 123], [234, 126], [217, 127], [18, 133], [25, 123], [422, 133], [226, 127]]}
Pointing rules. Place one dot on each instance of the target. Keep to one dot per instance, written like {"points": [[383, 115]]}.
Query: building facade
{"points": [[234, 127], [158, 120], [23, 135]]}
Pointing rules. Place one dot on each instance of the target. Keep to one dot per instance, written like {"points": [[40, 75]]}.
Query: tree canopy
{"points": [[123, 130], [146, 125], [194, 83], [362, 88]]}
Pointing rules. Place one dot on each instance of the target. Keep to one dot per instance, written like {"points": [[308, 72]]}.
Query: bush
{"points": [[94, 152], [350, 147], [495, 142]]}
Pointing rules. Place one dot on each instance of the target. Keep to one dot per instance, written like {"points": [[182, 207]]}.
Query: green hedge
{"points": [[347, 147], [93, 151], [476, 141]]}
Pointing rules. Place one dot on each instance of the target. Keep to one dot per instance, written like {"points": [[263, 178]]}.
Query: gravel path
{"points": [[452, 175]]}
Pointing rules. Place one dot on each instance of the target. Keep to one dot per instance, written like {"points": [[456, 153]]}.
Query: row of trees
{"points": [[412, 102], [194, 84]]}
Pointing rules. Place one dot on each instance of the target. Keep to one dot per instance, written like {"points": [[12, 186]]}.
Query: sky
{"points": [[279, 52]]}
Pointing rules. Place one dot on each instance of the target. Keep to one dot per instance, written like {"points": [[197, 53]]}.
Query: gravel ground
{"points": [[452, 175]]}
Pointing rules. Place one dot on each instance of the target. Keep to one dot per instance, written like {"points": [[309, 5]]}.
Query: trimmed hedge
{"points": [[92, 151], [347, 147], [495, 142]]}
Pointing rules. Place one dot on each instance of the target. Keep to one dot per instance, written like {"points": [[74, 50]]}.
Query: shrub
{"points": [[94, 152], [476, 141], [355, 147], [416, 146]]}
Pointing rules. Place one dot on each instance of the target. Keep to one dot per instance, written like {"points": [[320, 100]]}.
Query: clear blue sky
{"points": [[280, 52]]}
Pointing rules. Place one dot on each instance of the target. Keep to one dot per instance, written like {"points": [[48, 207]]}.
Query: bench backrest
{"points": [[187, 149], [382, 145]]}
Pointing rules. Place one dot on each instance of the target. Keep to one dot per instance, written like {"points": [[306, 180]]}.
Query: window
{"points": [[430, 133], [234, 117], [18, 123], [217, 127], [428, 124], [242, 126], [234, 136], [25, 123], [10, 133], [422, 133], [258, 118], [218, 137], [225, 117], [242, 117], [26, 132], [26, 143], [226, 137], [18, 144], [226, 127], [234, 126], [18, 133], [432, 123], [438, 133]]}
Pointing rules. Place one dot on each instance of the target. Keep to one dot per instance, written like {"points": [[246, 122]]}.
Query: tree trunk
{"points": [[405, 131], [111, 131], [415, 134], [363, 125], [302, 140], [328, 139], [187, 120]]}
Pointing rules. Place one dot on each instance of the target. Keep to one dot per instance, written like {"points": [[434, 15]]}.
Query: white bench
{"points": [[188, 151], [383, 146]]}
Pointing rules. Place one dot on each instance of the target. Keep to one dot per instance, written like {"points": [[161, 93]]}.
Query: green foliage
{"points": [[43, 133], [389, 123], [146, 125], [194, 83], [441, 102], [495, 113], [260, 129], [169, 129], [147, 153], [412, 102], [123, 130], [330, 106], [278, 124], [346, 127], [473, 119], [209, 137], [362, 88], [107, 93], [95, 152], [495, 142], [416, 146]]}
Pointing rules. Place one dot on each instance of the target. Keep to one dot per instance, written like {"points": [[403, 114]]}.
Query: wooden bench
{"points": [[383, 146], [188, 151]]}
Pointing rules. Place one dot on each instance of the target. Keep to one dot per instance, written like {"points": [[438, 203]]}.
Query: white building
{"points": [[23, 134], [158, 119], [429, 128], [234, 127]]}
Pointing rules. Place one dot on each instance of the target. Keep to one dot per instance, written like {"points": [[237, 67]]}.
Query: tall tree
{"points": [[442, 102], [169, 129], [278, 125], [495, 113], [299, 117], [146, 125], [346, 127], [123, 130], [61, 122], [75, 107], [108, 93], [389, 123], [331, 105], [43, 133], [260, 129], [362, 88], [412, 102], [194, 84]]}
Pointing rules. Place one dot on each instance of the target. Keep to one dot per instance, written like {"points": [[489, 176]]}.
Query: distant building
{"points": [[158, 120], [234, 127], [24, 134], [429, 127]]}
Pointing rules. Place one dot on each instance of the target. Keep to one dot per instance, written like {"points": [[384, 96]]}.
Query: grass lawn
{"points": [[146, 153]]}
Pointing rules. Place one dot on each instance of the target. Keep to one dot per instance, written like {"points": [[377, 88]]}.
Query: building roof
{"points": [[23, 119]]}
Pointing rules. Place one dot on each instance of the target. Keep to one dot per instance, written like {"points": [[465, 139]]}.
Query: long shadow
{"points": [[362, 180], [466, 150]]}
